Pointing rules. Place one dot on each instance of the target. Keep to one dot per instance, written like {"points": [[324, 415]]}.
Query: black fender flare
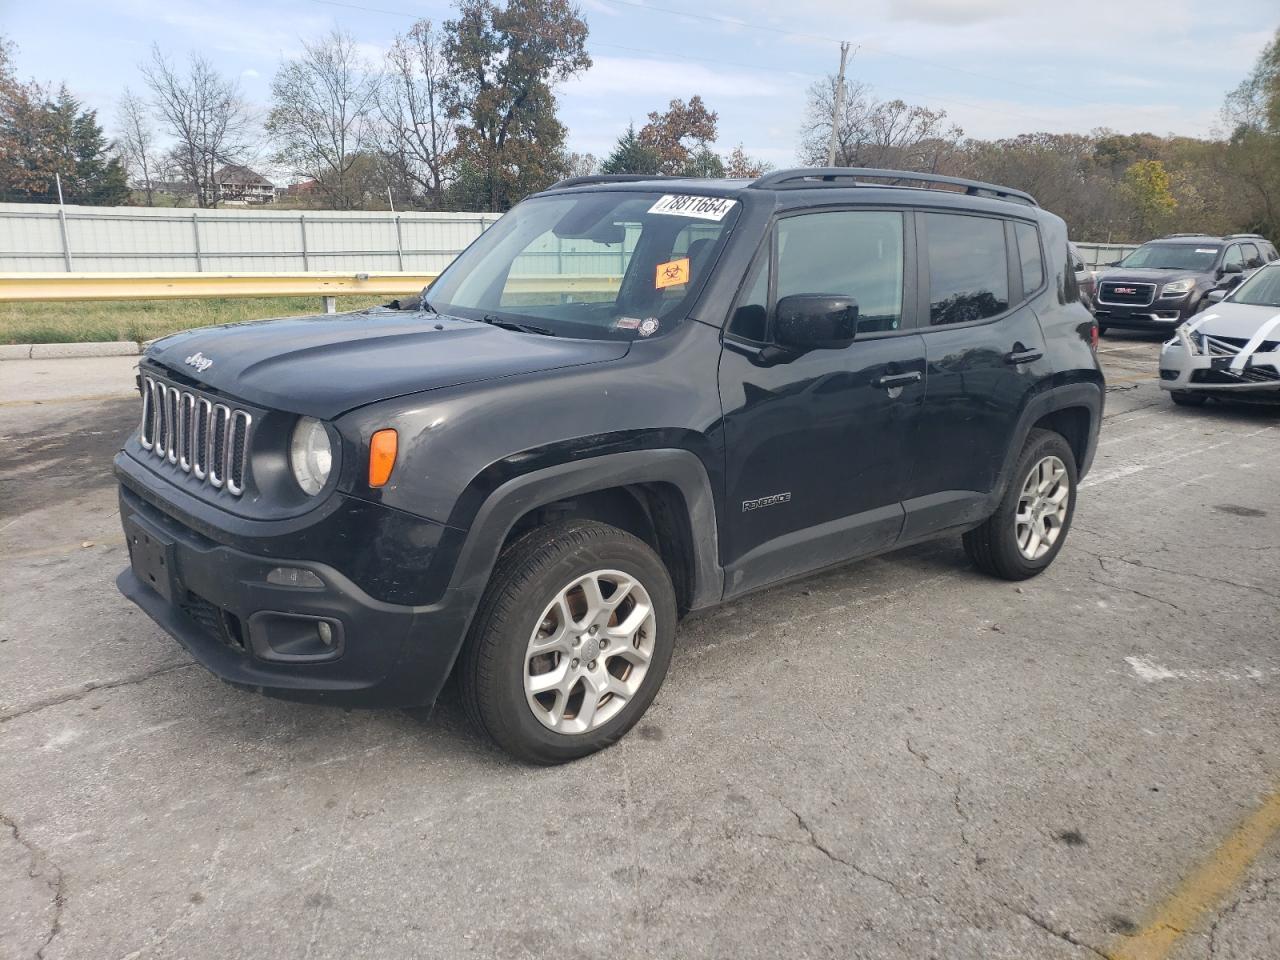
{"points": [[517, 496], [1089, 395]]}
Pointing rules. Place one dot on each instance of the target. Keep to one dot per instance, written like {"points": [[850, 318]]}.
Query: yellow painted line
{"points": [[1205, 887]]}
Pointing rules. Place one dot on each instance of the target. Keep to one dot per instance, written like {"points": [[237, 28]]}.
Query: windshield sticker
{"points": [[1205, 250], [649, 327], [672, 273], [627, 323], [701, 208]]}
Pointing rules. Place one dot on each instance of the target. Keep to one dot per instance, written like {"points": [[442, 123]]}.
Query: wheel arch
{"points": [[664, 497], [1073, 410]]}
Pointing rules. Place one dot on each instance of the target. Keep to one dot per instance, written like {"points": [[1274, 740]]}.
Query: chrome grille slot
{"points": [[195, 434]]}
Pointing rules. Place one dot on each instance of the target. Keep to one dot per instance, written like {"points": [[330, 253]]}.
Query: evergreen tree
{"points": [[631, 156]]}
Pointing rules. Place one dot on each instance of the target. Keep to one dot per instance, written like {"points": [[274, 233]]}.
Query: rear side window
{"points": [[968, 268], [856, 253], [1029, 253]]}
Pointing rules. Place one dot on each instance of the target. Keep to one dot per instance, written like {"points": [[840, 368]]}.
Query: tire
{"points": [[541, 592], [1187, 398], [996, 547]]}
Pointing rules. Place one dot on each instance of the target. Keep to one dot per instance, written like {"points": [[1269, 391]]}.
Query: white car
{"points": [[1231, 349]]}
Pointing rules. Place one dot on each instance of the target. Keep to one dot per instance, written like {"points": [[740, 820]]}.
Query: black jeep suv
{"points": [[1165, 281], [629, 399]]}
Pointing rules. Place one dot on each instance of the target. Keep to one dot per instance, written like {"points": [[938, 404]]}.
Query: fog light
{"points": [[325, 632], [293, 577]]}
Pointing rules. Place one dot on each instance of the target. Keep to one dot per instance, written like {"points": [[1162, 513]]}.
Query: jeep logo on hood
{"points": [[199, 361]]}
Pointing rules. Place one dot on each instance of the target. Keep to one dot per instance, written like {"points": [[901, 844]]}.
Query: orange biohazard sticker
{"points": [[672, 273]]}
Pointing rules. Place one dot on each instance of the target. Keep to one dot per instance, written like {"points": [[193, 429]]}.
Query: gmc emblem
{"points": [[1125, 291]]}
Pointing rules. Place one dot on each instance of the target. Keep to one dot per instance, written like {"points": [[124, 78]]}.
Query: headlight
{"points": [[1177, 288], [310, 455]]}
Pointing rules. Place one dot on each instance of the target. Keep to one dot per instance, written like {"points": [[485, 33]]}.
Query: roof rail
{"points": [[612, 178], [1244, 236], [1175, 236], [852, 176]]}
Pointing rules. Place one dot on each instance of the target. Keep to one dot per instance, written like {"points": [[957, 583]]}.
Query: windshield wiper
{"points": [[519, 327]]}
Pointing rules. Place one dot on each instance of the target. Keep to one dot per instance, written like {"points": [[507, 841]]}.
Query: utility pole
{"points": [[838, 109]]}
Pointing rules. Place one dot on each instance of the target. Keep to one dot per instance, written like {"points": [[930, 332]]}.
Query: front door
{"points": [[818, 446]]}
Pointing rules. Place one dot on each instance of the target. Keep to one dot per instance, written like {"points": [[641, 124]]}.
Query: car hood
{"points": [[325, 365], [1146, 275], [1238, 320]]}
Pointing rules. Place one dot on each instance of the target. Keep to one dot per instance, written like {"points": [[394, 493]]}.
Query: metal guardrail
{"points": [[63, 287]]}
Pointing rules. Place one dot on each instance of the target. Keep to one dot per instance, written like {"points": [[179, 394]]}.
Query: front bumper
{"points": [[1185, 366], [1163, 314], [217, 602]]}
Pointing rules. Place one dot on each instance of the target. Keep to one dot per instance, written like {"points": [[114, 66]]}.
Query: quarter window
{"points": [[968, 268], [855, 253], [1029, 253], [750, 319]]}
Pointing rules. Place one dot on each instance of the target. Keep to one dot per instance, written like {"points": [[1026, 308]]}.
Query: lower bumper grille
{"points": [[1247, 375], [218, 623]]}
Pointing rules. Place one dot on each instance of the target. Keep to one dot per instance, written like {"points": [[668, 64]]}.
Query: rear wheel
{"points": [[1030, 525], [571, 641], [1187, 398]]}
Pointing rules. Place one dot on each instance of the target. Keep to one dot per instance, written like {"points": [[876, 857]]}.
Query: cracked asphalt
{"points": [[898, 759]]}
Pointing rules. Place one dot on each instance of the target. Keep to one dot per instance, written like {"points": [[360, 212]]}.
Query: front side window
{"points": [[854, 253], [603, 265], [1252, 258], [968, 268], [1029, 253], [1233, 256]]}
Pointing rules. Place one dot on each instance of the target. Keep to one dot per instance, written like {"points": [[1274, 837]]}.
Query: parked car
{"points": [[529, 473], [1085, 279], [1165, 281], [1232, 349]]}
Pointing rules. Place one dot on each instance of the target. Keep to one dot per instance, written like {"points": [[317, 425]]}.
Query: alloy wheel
{"points": [[590, 652], [1042, 508]]}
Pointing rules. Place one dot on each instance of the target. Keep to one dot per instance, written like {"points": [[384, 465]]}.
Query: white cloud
{"points": [[953, 11], [659, 79]]}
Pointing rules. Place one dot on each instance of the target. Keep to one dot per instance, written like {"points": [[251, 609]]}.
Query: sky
{"points": [[998, 67]]}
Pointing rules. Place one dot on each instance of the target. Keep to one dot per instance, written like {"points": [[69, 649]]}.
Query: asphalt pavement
{"points": [[899, 759]]}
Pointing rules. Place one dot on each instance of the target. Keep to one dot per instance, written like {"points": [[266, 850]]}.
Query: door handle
{"points": [[1021, 354], [891, 380]]}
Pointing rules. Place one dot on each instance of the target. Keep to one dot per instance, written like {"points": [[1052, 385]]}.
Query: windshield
{"points": [[1260, 290], [603, 265], [1172, 256]]}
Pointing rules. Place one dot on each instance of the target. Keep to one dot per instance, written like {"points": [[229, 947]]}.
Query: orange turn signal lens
{"points": [[382, 457]]}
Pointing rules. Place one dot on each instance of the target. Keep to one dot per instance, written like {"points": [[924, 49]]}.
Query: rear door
{"points": [[985, 355], [819, 446]]}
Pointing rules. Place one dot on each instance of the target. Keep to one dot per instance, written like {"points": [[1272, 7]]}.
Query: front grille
{"points": [[1230, 346], [195, 434], [1123, 293]]}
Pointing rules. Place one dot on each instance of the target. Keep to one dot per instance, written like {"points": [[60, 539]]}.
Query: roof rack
{"points": [[852, 176], [1179, 236], [612, 178], [1244, 236]]}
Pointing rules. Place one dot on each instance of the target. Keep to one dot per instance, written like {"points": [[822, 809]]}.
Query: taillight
{"points": [[1093, 337]]}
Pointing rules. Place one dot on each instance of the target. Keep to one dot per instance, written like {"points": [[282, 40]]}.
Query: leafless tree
{"points": [[418, 133], [874, 133], [322, 115], [205, 113], [137, 141]]}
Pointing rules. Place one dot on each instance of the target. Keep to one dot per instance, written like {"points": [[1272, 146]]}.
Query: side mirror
{"points": [[1214, 296], [1232, 268], [816, 321]]}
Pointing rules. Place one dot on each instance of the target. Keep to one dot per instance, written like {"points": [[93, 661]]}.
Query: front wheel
{"points": [[1030, 525], [571, 641]]}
